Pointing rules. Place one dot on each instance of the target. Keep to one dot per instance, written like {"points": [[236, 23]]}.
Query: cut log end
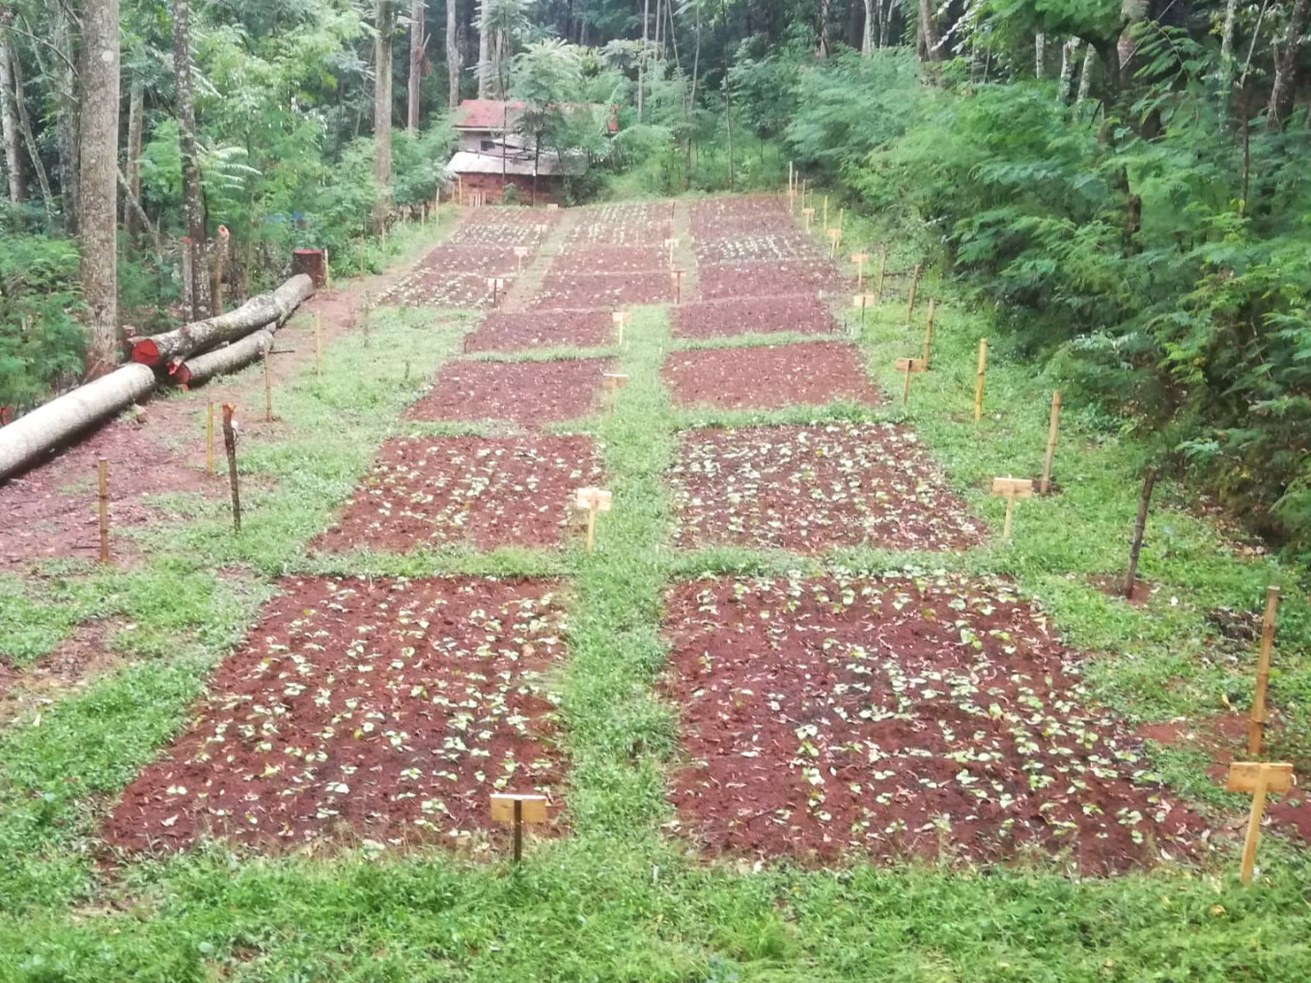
{"points": [[179, 374], [145, 352]]}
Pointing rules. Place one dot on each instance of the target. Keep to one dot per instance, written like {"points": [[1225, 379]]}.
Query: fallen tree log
{"points": [[163, 349], [220, 361], [24, 441]]}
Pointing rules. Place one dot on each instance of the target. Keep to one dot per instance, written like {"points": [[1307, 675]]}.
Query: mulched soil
{"points": [[505, 227], [445, 288], [898, 718], [812, 488], [529, 394], [755, 247], [383, 710], [584, 290], [716, 217], [611, 259], [485, 492], [622, 225], [754, 315], [810, 374], [755, 279], [515, 331]]}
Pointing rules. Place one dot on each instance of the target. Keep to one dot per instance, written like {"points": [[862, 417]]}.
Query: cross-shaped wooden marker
{"points": [[612, 382], [807, 214], [909, 366], [518, 810], [592, 501], [1260, 778], [520, 252], [678, 287], [834, 240], [671, 245], [863, 302], [1011, 489], [620, 319]]}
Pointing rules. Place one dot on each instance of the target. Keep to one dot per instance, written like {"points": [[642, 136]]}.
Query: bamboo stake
{"points": [[327, 270], [905, 388], [209, 438], [1253, 837], [978, 380], [1140, 525], [268, 390], [103, 467], [1053, 431], [318, 343], [1256, 724], [914, 291], [230, 445], [928, 332], [1010, 517], [883, 272]]}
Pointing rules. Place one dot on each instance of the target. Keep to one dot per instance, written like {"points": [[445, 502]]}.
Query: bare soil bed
{"points": [[584, 290], [812, 488], [611, 259], [810, 374], [756, 279], [440, 288], [755, 247], [897, 718], [622, 225], [529, 394], [505, 227], [804, 313], [382, 710], [485, 492], [715, 218], [515, 331]]}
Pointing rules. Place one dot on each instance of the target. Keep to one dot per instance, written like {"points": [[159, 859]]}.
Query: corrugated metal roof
{"points": [[550, 165]]}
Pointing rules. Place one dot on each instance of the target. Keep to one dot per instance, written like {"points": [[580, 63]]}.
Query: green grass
{"points": [[619, 898]]}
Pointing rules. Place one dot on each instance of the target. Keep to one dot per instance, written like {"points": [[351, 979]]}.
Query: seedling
{"points": [[1260, 779], [909, 366], [592, 501], [1053, 431], [980, 372], [1256, 724], [103, 469], [517, 811], [1011, 489]]}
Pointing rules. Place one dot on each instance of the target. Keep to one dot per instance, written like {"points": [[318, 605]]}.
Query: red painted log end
{"points": [[179, 373], [145, 352]]}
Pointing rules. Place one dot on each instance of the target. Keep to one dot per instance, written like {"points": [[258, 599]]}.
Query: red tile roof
{"points": [[485, 114]]}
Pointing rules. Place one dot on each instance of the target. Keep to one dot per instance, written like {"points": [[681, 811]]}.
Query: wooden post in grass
{"points": [[612, 382], [517, 811], [497, 284], [230, 445], [363, 258], [318, 343], [807, 214], [620, 319], [825, 216], [914, 292], [671, 244], [1260, 778], [678, 287], [834, 241], [1053, 431], [863, 302], [860, 259], [1140, 524], [209, 438], [592, 501], [980, 373], [909, 366], [268, 390], [1011, 489], [883, 271], [1257, 721], [792, 177], [520, 252], [103, 469], [928, 332]]}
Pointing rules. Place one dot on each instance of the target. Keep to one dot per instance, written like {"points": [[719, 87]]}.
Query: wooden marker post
{"points": [[209, 438], [518, 811], [883, 271], [671, 244], [834, 241], [914, 292], [497, 284], [860, 259], [230, 445], [1256, 724], [909, 366], [678, 287], [1139, 526], [807, 214], [928, 332], [612, 382], [1260, 778], [620, 319], [978, 379], [103, 469], [268, 390], [792, 177], [592, 501], [363, 258], [825, 215], [863, 302], [1011, 489], [520, 252], [1053, 431], [318, 343], [327, 269]]}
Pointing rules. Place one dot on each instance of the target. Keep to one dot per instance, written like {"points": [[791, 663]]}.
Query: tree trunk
{"points": [[9, 122], [67, 126], [193, 200], [161, 349], [452, 54], [418, 41], [221, 361], [132, 207], [929, 44], [825, 42], [135, 136], [98, 180], [1227, 48], [641, 58], [385, 24], [29, 138], [1086, 74], [867, 36], [485, 51], [1285, 85], [1069, 56], [25, 441], [1039, 55]]}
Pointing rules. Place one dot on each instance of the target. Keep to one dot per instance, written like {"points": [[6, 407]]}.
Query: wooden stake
{"points": [[593, 500], [670, 244], [792, 177], [860, 259], [327, 270], [1140, 524], [230, 445], [318, 343], [1053, 431], [1011, 489], [914, 291], [1256, 724], [978, 379], [905, 389], [825, 220], [363, 271], [209, 438], [517, 811], [883, 272], [909, 366], [268, 390], [103, 467], [678, 287], [1260, 778], [928, 331]]}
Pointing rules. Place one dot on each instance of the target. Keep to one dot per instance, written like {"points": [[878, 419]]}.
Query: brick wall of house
{"points": [[548, 188]]}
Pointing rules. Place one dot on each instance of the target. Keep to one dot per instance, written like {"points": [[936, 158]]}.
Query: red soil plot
{"points": [[505, 227], [434, 288], [896, 718], [810, 374], [623, 225], [813, 488], [529, 394], [512, 331], [487, 492], [746, 247], [611, 259], [714, 217], [581, 290], [795, 276], [381, 709], [804, 313]]}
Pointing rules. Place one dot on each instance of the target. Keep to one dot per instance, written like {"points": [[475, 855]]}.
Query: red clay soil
{"points": [[754, 315], [813, 488], [810, 374], [484, 492], [529, 394], [384, 710], [623, 225], [582, 290], [610, 259], [755, 279], [716, 218], [516, 331], [757, 247], [896, 718], [504, 227], [437, 288]]}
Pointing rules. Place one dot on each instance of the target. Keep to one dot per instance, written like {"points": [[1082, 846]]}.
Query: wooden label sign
{"points": [[917, 365], [1243, 776], [593, 499], [552, 207], [860, 259], [621, 317], [532, 808], [496, 282], [521, 251], [863, 300], [1011, 487], [614, 380]]}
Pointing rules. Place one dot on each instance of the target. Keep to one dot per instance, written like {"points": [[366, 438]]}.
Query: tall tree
{"points": [[870, 27], [484, 50], [66, 97], [98, 180], [385, 27], [418, 42], [193, 196], [452, 53], [928, 42], [136, 126], [13, 136], [1286, 67]]}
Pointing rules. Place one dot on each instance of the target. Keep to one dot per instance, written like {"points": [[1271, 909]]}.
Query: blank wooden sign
{"points": [[1258, 779], [594, 499], [518, 811], [1011, 489], [520, 254]]}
